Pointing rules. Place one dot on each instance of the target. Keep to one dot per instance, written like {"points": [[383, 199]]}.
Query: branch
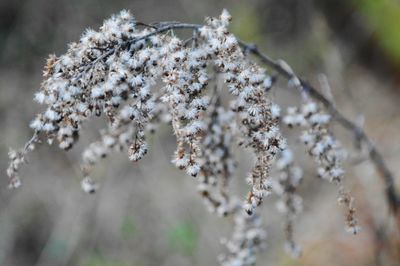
{"points": [[375, 156], [160, 29]]}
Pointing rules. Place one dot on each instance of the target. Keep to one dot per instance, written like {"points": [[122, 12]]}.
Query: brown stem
{"points": [[375, 156]]}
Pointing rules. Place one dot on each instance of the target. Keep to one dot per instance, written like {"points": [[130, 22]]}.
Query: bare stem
{"points": [[161, 29], [375, 156], [33, 139]]}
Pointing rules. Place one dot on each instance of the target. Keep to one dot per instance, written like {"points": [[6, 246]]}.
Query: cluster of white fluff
{"points": [[186, 79], [257, 115], [217, 163], [325, 150], [117, 72], [290, 203], [248, 238], [18, 158], [136, 76], [106, 74]]}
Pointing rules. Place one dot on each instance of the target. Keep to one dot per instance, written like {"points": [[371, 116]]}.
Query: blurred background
{"points": [[149, 213]]}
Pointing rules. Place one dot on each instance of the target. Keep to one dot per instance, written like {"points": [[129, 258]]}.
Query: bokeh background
{"points": [[149, 213]]}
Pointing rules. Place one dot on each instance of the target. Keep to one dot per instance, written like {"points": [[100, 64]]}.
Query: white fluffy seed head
{"points": [[88, 185]]}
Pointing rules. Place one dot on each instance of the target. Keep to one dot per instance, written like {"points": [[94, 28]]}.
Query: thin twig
{"points": [[374, 155], [158, 30], [33, 139]]}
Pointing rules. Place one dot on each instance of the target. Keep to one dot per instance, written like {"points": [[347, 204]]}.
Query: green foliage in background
{"points": [[98, 260], [246, 24], [183, 238], [384, 18], [128, 228]]}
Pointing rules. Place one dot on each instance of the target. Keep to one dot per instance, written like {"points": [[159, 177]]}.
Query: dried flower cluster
{"points": [[137, 76], [290, 204], [247, 239], [218, 164], [325, 150], [257, 123]]}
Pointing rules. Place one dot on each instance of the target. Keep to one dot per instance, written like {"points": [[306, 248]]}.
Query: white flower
{"points": [[194, 127], [97, 92], [225, 17], [275, 111], [289, 120], [109, 141], [66, 130], [250, 180], [191, 113], [215, 44], [181, 163], [248, 208], [48, 127], [73, 90], [116, 100], [309, 108], [88, 185], [205, 31], [137, 153], [353, 229], [52, 115], [126, 15], [336, 173], [267, 83], [293, 249], [318, 149], [89, 156], [261, 193], [193, 169], [40, 97], [268, 184], [36, 124], [247, 92], [136, 80], [14, 183], [230, 41], [202, 187], [307, 138], [257, 78], [321, 172], [285, 159], [66, 143], [320, 119], [253, 110]]}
